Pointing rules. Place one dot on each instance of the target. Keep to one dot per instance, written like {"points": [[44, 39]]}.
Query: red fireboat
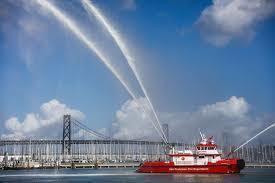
{"points": [[202, 158]]}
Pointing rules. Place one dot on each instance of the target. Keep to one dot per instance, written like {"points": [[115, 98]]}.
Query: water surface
{"points": [[130, 176]]}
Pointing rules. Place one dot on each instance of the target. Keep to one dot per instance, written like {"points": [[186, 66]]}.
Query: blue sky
{"points": [[181, 68]]}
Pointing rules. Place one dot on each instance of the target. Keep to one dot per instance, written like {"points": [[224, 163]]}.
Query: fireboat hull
{"points": [[222, 167]]}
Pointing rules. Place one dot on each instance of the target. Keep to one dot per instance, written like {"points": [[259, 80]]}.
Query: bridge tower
{"points": [[66, 141]]}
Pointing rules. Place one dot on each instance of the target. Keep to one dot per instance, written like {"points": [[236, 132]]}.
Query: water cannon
{"points": [[201, 134], [229, 154], [211, 140]]}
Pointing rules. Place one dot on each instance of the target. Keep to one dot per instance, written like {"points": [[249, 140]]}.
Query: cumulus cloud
{"points": [[231, 116], [226, 20], [232, 108], [39, 124], [131, 122]]}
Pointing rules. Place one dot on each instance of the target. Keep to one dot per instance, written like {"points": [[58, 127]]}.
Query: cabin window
{"points": [[213, 157], [199, 148], [201, 156]]}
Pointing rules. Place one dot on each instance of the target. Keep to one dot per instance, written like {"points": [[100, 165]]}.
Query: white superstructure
{"points": [[204, 152]]}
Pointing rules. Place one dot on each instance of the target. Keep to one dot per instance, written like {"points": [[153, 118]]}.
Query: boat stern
{"points": [[240, 164]]}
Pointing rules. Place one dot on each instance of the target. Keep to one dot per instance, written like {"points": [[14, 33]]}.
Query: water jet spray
{"points": [[74, 28], [246, 142], [91, 9]]}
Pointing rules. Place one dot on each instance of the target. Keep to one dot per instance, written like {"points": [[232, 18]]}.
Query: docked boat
{"points": [[204, 157]]}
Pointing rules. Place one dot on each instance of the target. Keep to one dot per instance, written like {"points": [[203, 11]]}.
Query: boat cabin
{"points": [[204, 152]]}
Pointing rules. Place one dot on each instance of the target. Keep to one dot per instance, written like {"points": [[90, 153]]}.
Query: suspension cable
{"points": [[86, 128]]}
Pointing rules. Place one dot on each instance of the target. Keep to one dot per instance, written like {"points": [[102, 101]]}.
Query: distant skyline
{"points": [[205, 64]]}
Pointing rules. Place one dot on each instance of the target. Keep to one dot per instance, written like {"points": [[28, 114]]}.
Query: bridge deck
{"points": [[112, 141]]}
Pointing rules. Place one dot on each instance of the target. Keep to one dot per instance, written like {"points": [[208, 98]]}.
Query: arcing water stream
{"points": [[246, 142], [91, 9], [72, 26]]}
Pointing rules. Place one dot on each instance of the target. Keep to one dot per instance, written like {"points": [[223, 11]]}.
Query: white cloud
{"points": [[80, 134], [232, 108], [226, 20], [132, 122], [37, 124], [231, 116]]}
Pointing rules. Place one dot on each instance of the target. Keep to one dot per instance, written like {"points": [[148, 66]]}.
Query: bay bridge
{"points": [[72, 148]]}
